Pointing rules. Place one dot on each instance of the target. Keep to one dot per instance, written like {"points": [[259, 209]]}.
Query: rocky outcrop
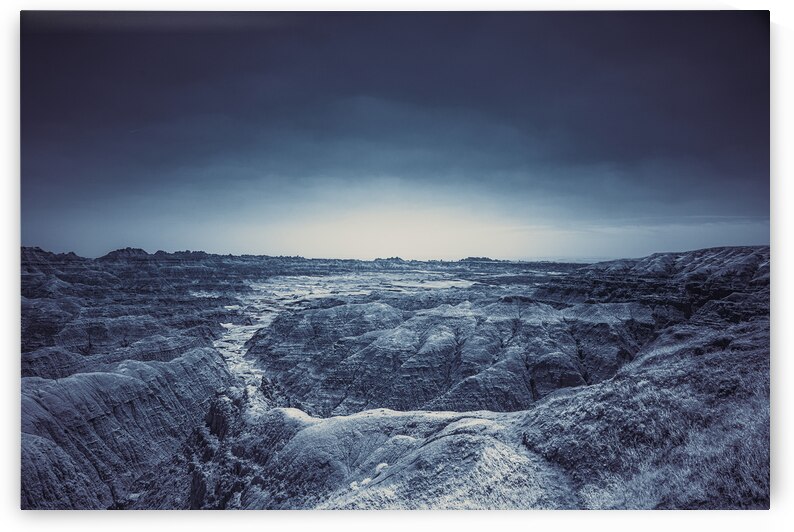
{"points": [[493, 352], [189, 380], [685, 424], [113, 426], [116, 375]]}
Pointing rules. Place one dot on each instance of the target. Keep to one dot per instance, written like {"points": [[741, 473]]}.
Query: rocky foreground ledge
{"points": [[190, 380]]}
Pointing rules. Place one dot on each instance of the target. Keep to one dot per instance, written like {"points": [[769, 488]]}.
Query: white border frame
{"points": [[782, 58]]}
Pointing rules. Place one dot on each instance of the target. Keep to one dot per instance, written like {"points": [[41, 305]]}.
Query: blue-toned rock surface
{"points": [[189, 380]]}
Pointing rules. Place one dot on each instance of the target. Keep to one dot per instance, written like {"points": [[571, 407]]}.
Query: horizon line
{"points": [[470, 258]]}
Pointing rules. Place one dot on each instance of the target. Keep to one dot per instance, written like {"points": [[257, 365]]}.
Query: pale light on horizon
{"points": [[427, 234]]}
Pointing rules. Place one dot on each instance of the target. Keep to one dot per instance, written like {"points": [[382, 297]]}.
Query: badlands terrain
{"points": [[189, 380]]}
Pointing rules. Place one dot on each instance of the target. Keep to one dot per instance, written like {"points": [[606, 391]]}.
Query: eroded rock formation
{"points": [[189, 380]]}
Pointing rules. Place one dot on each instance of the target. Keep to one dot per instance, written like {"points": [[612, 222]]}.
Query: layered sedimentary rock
{"points": [[500, 344], [110, 427], [117, 372], [189, 380]]}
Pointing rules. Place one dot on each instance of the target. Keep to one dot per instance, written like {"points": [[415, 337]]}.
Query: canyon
{"points": [[190, 380]]}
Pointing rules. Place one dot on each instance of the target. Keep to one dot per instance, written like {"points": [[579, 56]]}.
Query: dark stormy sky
{"points": [[435, 135]]}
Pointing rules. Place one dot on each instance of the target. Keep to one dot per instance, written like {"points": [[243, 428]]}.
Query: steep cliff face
{"points": [[190, 380], [112, 426], [116, 376]]}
